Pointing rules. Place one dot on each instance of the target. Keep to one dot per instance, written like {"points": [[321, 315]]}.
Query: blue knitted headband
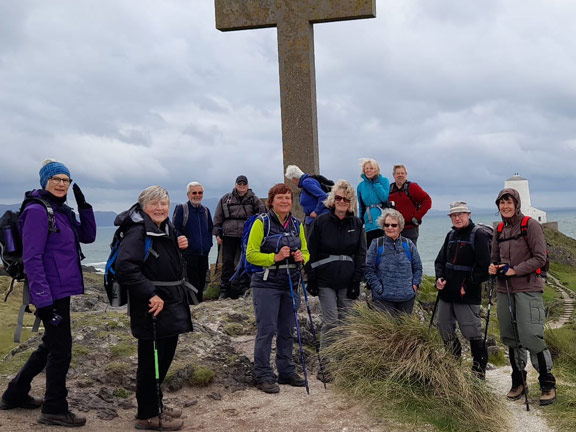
{"points": [[52, 169]]}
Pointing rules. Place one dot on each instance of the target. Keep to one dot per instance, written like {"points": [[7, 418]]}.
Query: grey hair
{"points": [[349, 193], [364, 161], [193, 184], [293, 172], [398, 166], [152, 193], [393, 214]]}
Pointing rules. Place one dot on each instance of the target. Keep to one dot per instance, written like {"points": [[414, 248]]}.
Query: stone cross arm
{"points": [[252, 14]]}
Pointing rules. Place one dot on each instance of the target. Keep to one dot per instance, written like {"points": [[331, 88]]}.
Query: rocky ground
{"points": [[218, 353]]}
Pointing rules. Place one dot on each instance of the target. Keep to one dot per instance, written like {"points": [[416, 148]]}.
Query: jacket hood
{"points": [[130, 216], [515, 196]]}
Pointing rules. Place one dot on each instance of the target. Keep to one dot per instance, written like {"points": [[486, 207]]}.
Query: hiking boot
{"points": [[29, 402], [293, 380], [548, 397], [516, 392], [268, 386], [68, 419], [164, 422], [173, 412]]}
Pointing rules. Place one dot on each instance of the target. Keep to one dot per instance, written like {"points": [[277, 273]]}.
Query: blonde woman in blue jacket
{"points": [[372, 198]]}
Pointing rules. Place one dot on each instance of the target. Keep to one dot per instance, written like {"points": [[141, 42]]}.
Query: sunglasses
{"points": [[387, 225], [242, 183], [341, 198], [197, 193]]}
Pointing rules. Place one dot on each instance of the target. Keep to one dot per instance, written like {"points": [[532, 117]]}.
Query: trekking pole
{"points": [[297, 327], [157, 372], [490, 294], [313, 330], [433, 313], [517, 340]]}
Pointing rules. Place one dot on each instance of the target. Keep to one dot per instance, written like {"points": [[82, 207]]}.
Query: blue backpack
{"points": [[244, 267], [381, 249], [117, 294]]}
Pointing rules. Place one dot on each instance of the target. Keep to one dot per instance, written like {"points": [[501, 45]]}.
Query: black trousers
{"points": [[196, 268], [371, 235], [146, 391], [230, 248], [53, 354]]}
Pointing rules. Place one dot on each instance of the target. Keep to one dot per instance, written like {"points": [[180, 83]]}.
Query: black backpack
{"points": [[11, 254], [325, 184]]}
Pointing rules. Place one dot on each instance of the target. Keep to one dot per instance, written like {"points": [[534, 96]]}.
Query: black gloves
{"points": [[353, 290], [312, 287], [48, 315], [79, 196]]}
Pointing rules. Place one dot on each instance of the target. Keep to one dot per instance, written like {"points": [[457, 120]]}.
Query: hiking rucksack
{"points": [[380, 245], [486, 229], [325, 183], [542, 271], [117, 294], [11, 254], [244, 267]]}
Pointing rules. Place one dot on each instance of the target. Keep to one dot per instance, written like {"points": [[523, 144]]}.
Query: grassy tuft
{"points": [[402, 372], [202, 376]]}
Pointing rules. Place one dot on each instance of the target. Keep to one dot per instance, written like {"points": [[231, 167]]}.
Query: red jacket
{"points": [[414, 204]]}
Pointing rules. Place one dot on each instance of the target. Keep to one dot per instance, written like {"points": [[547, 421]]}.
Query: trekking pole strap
{"points": [[331, 258]]}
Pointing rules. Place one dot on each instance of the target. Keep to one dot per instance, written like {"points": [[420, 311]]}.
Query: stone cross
{"points": [[294, 20]]}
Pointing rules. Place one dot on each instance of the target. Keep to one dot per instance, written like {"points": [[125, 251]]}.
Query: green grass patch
{"points": [[402, 371], [565, 274], [211, 291], [123, 350], [121, 393], [117, 367], [202, 376]]}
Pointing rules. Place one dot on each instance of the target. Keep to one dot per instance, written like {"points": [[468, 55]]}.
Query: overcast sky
{"points": [[134, 93]]}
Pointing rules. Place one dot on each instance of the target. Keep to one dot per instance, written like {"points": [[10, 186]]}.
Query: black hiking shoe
{"points": [[68, 419], [293, 380], [30, 402], [268, 386]]}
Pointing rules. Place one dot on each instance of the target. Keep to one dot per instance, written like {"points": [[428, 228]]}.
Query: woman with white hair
{"points": [[393, 266], [312, 196], [159, 306], [373, 198], [337, 246]]}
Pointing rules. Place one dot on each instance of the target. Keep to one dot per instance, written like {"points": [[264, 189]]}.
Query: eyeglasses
{"points": [[196, 193], [341, 198], [241, 183], [387, 225], [58, 180], [457, 215]]}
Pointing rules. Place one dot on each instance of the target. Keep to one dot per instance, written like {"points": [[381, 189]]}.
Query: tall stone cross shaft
{"points": [[294, 20]]}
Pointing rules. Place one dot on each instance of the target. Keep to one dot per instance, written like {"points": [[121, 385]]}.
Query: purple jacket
{"points": [[52, 260]]}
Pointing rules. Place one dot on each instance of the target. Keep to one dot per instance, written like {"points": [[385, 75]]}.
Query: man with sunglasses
{"points": [[461, 267], [194, 220], [232, 211]]}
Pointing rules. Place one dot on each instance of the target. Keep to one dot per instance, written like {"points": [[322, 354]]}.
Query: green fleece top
{"points": [[253, 254]]}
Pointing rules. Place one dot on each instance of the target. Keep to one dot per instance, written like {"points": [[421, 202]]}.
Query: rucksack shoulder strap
{"points": [[51, 218], [406, 248]]}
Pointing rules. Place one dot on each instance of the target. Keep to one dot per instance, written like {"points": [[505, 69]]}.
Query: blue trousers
{"points": [[274, 316]]}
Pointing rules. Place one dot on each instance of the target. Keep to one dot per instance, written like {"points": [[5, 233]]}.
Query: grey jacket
{"points": [[233, 210]]}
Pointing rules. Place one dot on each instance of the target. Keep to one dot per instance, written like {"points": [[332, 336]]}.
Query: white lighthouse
{"points": [[521, 185]]}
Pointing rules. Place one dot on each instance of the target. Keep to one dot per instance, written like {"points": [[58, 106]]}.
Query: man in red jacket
{"points": [[410, 200]]}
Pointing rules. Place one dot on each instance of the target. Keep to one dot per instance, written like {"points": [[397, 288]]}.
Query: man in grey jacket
{"points": [[233, 210]]}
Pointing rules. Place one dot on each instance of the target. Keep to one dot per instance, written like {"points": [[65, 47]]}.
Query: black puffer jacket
{"points": [[331, 235], [164, 264]]}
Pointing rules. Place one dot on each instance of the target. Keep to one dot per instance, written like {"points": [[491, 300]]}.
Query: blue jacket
{"points": [[312, 197], [52, 260], [372, 193], [198, 229], [393, 278]]}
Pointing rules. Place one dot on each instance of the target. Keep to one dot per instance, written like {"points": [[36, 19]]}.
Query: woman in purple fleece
{"points": [[51, 256]]}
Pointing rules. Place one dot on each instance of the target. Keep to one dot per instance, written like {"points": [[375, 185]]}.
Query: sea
{"points": [[432, 233]]}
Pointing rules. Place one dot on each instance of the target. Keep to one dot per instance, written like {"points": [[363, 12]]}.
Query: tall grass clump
{"points": [[402, 372], [562, 344]]}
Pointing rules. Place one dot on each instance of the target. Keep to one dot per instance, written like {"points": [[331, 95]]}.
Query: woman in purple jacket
{"points": [[51, 257]]}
